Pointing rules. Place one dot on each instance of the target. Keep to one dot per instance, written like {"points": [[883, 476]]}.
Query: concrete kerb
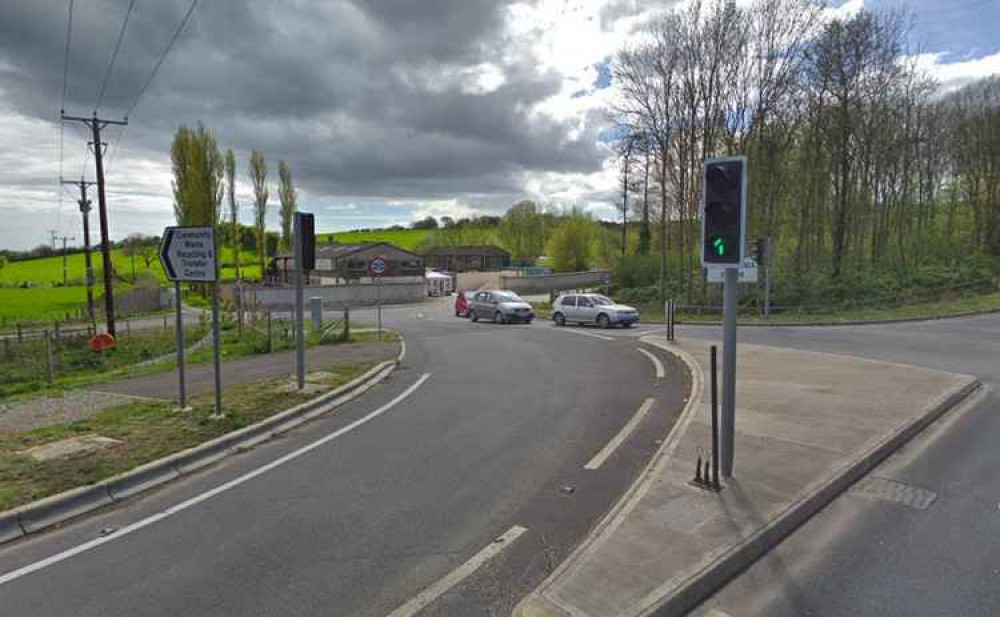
{"points": [[850, 322], [536, 604], [64, 506]]}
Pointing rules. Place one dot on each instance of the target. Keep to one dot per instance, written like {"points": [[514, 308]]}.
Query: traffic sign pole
{"points": [[377, 267], [300, 343], [729, 370], [180, 347]]}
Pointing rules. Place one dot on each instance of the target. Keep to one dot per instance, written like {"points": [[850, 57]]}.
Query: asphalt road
{"points": [[484, 431], [872, 556]]}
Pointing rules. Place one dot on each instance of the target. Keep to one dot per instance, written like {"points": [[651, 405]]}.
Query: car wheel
{"points": [[603, 321], [498, 317], [626, 325], [559, 319], [473, 316]]}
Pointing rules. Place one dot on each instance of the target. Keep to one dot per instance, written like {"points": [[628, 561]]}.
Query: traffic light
{"points": [[307, 239], [724, 211]]}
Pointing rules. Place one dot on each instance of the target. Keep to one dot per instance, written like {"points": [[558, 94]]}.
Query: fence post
{"points": [[128, 328], [347, 323], [269, 331], [55, 325], [48, 356], [19, 337]]}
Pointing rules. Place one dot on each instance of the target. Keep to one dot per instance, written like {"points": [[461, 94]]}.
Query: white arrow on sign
{"points": [[188, 254]]}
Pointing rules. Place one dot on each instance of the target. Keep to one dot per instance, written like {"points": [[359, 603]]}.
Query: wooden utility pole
{"points": [[89, 274], [65, 239], [96, 124]]}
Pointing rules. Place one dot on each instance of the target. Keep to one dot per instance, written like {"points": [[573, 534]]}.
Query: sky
{"points": [[386, 111]]}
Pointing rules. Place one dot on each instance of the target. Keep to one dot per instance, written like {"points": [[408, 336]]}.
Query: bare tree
{"points": [[258, 177]]}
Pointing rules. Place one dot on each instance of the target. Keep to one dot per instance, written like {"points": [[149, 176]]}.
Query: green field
{"points": [[40, 303], [408, 239]]}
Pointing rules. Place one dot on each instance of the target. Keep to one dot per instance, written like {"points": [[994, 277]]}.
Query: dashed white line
{"points": [[657, 365], [184, 505], [608, 450], [459, 574]]}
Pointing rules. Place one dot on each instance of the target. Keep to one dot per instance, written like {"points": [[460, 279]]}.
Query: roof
{"points": [[470, 250], [436, 275], [336, 250]]}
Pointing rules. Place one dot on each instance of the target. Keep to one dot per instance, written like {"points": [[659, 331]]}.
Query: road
{"points": [[394, 501], [872, 556]]}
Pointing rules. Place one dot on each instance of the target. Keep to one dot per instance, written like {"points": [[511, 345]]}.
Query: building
{"points": [[341, 263], [467, 258]]}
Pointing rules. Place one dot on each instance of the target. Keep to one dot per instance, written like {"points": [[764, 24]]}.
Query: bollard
{"points": [[697, 471], [347, 323]]}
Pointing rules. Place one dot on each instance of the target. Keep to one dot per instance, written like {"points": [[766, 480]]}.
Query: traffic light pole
{"points": [[300, 335], [730, 299]]}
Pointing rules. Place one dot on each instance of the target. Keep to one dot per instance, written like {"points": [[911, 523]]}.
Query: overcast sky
{"points": [[385, 110]]}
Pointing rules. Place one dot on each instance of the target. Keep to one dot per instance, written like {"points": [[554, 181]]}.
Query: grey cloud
{"points": [[321, 84]]}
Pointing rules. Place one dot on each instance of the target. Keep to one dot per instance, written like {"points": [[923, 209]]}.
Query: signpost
{"points": [[377, 267], [723, 220], [188, 255], [748, 273]]}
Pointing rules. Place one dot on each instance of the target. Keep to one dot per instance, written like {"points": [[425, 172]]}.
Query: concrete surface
{"points": [[69, 447], [802, 418]]}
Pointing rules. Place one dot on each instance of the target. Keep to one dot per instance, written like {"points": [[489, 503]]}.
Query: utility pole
{"points": [[64, 240], [53, 236], [85, 211], [96, 124]]}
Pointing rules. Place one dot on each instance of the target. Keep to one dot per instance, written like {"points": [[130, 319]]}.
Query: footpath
{"points": [[808, 425]]}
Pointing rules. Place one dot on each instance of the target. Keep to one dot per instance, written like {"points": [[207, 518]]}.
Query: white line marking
{"points": [[660, 373], [184, 505], [456, 576], [608, 450], [590, 334]]}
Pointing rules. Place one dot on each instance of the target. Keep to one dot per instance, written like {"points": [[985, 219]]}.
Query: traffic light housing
{"points": [[723, 216], [307, 238]]}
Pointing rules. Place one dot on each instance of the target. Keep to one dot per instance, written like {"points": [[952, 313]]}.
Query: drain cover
{"points": [[890, 490]]}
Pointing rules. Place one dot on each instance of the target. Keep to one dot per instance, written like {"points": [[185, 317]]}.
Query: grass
{"points": [[148, 429], [408, 239], [925, 310], [40, 303]]}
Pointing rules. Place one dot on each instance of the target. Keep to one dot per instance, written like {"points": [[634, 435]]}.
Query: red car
{"points": [[461, 305]]}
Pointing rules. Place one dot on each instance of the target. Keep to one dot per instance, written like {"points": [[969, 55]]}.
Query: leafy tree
{"points": [[139, 245], [258, 177], [234, 213], [523, 232], [571, 246], [426, 223], [288, 198], [198, 176]]}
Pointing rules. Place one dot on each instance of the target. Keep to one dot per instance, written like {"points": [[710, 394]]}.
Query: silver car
{"points": [[592, 309], [500, 306]]}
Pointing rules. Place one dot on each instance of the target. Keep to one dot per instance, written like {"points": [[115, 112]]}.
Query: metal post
{"points": [[769, 261], [729, 370], [179, 321], [216, 344], [715, 421], [269, 331], [378, 305], [347, 323], [300, 341]]}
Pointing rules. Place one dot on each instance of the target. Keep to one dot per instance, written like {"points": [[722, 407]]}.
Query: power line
{"points": [[114, 54], [149, 80], [62, 106], [166, 50]]}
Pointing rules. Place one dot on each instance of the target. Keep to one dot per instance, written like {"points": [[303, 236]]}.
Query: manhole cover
{"points": [[889, 490]]}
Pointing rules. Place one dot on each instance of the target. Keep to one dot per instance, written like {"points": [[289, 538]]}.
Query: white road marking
{"points": [[590, 334], [184, 505], [608, 450], [660, 373], [456, 576]]}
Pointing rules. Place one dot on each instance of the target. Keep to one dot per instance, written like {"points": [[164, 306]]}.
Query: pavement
{"points": [[804, 420]]}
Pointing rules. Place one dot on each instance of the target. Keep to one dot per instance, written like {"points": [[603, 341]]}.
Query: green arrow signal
{"points": [[719, 246]]}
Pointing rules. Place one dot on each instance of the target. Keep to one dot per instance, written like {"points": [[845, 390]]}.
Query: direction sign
{"points": [[377, 265], [188, 254]]}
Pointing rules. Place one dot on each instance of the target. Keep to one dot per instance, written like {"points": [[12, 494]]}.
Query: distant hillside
{"points": [[408, 239]]}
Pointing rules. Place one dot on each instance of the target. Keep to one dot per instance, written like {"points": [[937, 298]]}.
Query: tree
{"points": [[523, 232], [425, 223], [198, 176], [258, 178], [288, 198], [447, 222], [142, 246], [234, 213], [572, 243]]}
